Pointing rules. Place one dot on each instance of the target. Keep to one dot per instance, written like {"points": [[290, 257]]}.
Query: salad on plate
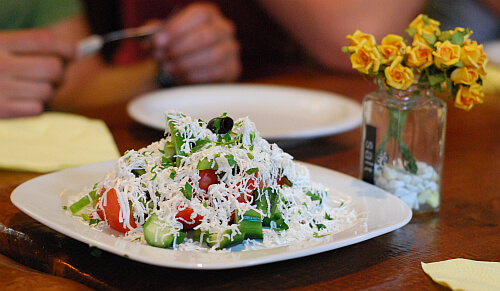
{"points": [[207, 186]]}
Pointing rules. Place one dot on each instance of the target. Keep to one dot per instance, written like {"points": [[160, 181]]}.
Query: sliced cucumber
{"points": [[226, 241], [84, 201], [250, 224], [266, 200], [159, 235], [169, 150], [197, 235], [180, 238]]}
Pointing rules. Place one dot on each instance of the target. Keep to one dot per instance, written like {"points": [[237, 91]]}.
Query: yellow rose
{"points": [[467, 96], [391, 47], [446, 54], [420, 39], [423, 29], [365, 58], [464, 76], [419, 55], [424, 24], [472, 55], [360, 38], [398, 76]]}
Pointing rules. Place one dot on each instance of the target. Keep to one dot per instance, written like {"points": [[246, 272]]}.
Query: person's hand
{"points": [[198, 45], [31, 67]]}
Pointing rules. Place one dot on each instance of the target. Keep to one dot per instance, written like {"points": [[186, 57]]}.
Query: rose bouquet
{"points": [[410, 121], [447, 60]]}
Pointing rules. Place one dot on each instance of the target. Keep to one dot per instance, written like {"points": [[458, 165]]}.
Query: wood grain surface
{"points": [[467, 226]]}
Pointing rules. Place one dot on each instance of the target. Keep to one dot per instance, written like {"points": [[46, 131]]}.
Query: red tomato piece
{"points": [[110, 211], [184, 217], [207, 178], [247, 189], [284, 181]]}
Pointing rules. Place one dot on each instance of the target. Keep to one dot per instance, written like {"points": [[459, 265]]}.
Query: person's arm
{"points": [[198, 45], [31, 66], [321, 26], [494, 5], [91, 82]]}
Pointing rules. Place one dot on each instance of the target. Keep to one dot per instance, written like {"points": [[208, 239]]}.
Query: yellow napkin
{"points": [[463, 274], [53, 141]]}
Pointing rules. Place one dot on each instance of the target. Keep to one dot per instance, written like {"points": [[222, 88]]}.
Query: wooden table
{"points": [[466, 227]]}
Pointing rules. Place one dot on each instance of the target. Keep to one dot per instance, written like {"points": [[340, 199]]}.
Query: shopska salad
{"points": [[211, 186]]}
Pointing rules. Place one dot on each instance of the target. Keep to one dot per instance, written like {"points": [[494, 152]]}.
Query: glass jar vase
{"points": [[402, 150]]}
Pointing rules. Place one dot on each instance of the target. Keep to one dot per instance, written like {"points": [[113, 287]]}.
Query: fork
{"points": [[94, 43]]}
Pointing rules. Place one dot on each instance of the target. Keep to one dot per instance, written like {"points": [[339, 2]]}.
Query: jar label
{"points": [[369, 153]]}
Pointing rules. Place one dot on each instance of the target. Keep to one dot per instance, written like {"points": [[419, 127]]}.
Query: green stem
{"points": [[397, 120]]}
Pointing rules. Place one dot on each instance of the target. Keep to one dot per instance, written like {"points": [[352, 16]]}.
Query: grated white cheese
{"points": [[159, 188]]}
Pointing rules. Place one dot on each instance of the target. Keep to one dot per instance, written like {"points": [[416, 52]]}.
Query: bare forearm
{"points": [[321, 26], [494, 5]]}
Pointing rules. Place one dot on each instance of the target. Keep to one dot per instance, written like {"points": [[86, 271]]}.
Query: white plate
{"points": [[380, 212], [279, 112], [492, 51]]}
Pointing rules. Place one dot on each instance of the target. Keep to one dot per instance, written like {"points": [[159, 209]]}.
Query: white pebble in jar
{"points": [[414, 190]]}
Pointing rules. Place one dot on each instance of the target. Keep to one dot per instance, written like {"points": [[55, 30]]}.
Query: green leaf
{"points": [[187, 191], [230, 160], [252, 171], [425, 19], [411, 31], [93, 221], [430, 38], [320, 226], [459, 36], [138, 172], [436, 79], [206, 164], [199, 144], [459, 64], [444, 36], [314, 197], [172, 174]]}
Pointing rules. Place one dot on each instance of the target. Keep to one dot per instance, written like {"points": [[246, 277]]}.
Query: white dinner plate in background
{"points": [[492, 51], [279, 112]]}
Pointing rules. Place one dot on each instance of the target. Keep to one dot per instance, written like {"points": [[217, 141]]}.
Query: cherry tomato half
{"points": [[184, 217], [246, 190], [110, 211], [207, 178], [284, 181]]}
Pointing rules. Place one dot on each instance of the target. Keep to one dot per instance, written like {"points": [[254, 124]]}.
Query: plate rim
{"points": [[352, 121], [492, 46], [109, 243]]}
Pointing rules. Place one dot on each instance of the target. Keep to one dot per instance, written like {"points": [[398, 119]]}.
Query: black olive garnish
{"points": [[221, 125]]}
